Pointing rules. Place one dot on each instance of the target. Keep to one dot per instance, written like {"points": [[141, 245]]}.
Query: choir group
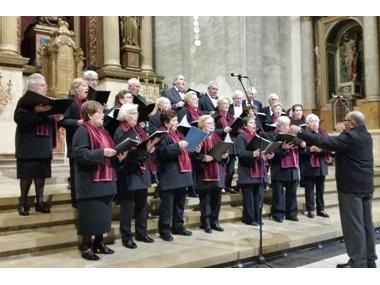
{"points": [[100, 175]]}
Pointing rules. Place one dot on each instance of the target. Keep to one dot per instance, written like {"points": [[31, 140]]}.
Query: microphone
{"points": [[239, 75]]}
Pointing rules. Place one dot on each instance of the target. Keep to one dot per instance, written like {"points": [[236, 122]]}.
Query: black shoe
{"points": [[183, 232], [217, 227], [208, 230], [344, 265], [130, 244], [146, 239], [323, 214], [23, 210], [294, 219], [167, 237], [278, 220], [371, 264], [310, 214], [43, 208], [89, 254], [102, 248]]}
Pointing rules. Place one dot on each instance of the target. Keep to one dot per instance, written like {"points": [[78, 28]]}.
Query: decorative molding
{"points": [[19, 35], [306, 18], [92, 39]]}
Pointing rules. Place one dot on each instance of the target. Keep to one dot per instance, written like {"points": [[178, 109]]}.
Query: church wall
{"points": [[7, 124], [265, 48]]}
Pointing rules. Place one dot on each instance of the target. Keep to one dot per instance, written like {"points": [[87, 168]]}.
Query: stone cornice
{"points": [[13, 60]]}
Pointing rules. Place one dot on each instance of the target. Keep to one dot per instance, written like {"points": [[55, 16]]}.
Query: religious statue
{"points": [[349, 57], [129, 27]]}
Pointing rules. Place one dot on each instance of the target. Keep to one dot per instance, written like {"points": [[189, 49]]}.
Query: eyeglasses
{"points": [[347, 120]]}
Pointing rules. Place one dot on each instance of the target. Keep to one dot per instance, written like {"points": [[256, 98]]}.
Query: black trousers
{"points": [[230, 169], [72, 181], [319, 183], [252, 201], [209, 202], [284, 203], [358, 230], [133, 204], [171, 211]]}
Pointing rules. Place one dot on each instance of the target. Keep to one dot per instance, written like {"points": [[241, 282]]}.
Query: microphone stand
{"points": [[261, 263]]}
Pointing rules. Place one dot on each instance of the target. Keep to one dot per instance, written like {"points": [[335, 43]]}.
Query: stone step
{"points": [[237, 243]]}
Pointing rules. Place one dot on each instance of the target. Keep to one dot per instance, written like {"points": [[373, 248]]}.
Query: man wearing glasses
{"points": [[354, 178]]}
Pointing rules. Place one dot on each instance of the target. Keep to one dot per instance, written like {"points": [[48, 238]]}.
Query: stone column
{"points": [[8, 34], [111, 41], [370, 105], [307, 63], [147, 44], [371, 61]]}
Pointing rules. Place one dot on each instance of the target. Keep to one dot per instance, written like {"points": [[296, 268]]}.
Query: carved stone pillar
{"points": [[307, 59], [370, 106], [147, 44], [111, 42], [371, 51], [9, 52]]}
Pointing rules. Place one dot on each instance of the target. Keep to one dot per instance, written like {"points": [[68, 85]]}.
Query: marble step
{"points": [[237, 243], [48, 232]]}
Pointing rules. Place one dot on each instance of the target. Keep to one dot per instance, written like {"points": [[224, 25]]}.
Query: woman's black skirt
{"points": [[33, 168], [94, 215]]}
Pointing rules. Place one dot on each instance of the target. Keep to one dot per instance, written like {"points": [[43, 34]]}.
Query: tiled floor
{"points": [[326, 255]]}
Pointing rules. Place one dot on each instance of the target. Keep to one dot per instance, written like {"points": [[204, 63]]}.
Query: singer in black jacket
{"points": [[354, 177]]}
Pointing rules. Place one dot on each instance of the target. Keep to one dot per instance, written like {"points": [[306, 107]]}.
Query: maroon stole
{"points": [[210, 169], [290, 159], [225, 119], [79, 103], [194, 114], [99, 139], [140, 136], [255, 173], [42, 130], [314, 158], [184, 160]]}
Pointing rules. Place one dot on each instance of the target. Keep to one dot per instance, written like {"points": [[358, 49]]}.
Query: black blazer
{"points": [[279, 173], [231, 109], [129, 175], [245, 160], [305, 164], [85, 161], [70, 123], [205, 104], [173, 95], [154, 123], [168, 168], [353, 158], [28, 144]]}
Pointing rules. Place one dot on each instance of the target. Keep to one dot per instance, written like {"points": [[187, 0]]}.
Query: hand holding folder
{"points": [[32, 99], [263, 144]]}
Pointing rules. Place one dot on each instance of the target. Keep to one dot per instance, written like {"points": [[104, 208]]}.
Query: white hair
{"points": [[177, 77], [212, 83], [272, 95], [282, 120], [237, 93], [312, 118], [89, 74], [159, 102], [252, 90], [357, 117], [133, 81], [125, 111], [34, 79]]}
